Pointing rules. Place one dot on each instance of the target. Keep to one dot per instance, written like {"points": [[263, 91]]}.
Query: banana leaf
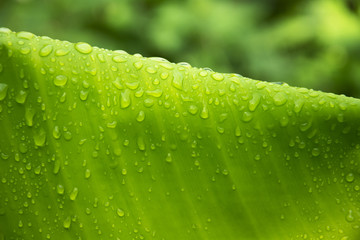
{"points": [[100, 144]]}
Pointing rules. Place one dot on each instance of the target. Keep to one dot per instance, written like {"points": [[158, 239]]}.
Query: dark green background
{"points": [[313, 44]]}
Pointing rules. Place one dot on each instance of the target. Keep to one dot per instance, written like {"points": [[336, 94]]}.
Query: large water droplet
{"points": [[125, 100], [168, 158], [120, 212], [46, 50], [177, 81], [21, 97], [60, 80], [3, 91], [67, 222], [141, 116], [141, 143], [56, 132], [217, 76], [87, 173], [254, 102], [204, 113], [280, 98], [350, 177], [40, 137], [74, 193], [82, 47], [60, 189], [154, 93]]}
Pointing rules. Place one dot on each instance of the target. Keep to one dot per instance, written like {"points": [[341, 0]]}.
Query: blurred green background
{"points": [[313, 44]]}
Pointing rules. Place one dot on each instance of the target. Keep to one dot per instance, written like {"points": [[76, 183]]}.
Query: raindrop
{"points": [[74, 193], [125, 100], [168, 158], [120, 212], [280, 98], [82, 47], [46, 50], [3, 91], [67, 223], [350, 177], [60, 189], [141, 116], [60, 80], [87, 173], [21, 97], [217, 76]]}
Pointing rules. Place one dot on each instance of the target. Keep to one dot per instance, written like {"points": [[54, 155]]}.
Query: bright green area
{"points": [[305, 43], [99, 144]]}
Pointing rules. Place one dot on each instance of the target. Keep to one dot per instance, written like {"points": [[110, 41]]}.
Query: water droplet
{"points": [[254, 102], [141, 116], [23, 148], [37, 170], [299, 103], [25, 35], [60, 80], [349, 217], [141, 143], [132, 85], [57, 165], [125, 100], [350, 177], [87, 173], [151, 70], [67, 223], [168, 158], [40, 137], [56, 132], [247, 116], [154, 93], [84, 95], [315, 152], [217, 76], [25, 50], [193, 109], [119, 59], [74, 193], [46, 50], [178, 80], [60, 189], [82, 47], [237, 131], [280, 98], [138, 65], [120, 212], [3, 91], [21, 97], [204, 113], [164, 75], [61, 52], [5, 30], [117, 83]]}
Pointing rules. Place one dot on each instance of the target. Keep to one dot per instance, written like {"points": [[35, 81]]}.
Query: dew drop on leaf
{"points": [[120, 212], [350, 177], [60, 80], [3, 91], [21, 97], [82, 47], [46, 50], [74, 193]]}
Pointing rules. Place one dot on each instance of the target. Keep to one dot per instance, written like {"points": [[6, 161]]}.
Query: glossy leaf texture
{"points": [[99, 144]]}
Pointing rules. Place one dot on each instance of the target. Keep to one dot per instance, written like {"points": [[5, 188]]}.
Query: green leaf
{"points": [[99, 144]]}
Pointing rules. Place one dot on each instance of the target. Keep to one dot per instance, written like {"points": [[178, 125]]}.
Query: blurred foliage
{"points": [[314, 44]]}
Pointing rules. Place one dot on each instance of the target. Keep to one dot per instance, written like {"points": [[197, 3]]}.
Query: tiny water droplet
{"points": [[138, 65], [84, 95]]}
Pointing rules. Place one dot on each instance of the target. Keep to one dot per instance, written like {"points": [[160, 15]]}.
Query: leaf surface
{"points": [[99, 144]]}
